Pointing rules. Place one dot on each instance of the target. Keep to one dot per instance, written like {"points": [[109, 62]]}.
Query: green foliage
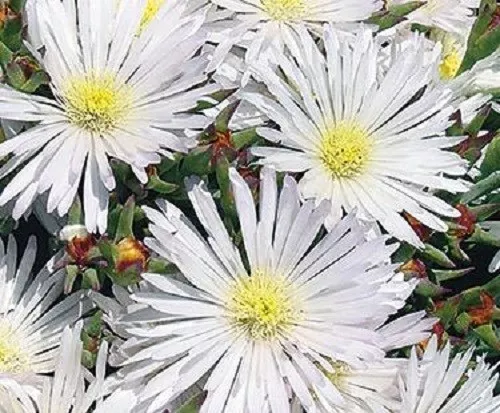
{"points": [[452, 269], [484, 39], [436, 256], [491, 162], [483, 187], [394, 14], [126, 220], [20, 69], [192, 406], [92, 336]]}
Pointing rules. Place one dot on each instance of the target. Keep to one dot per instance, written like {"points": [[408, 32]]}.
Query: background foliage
{"points": [[456, 285]]}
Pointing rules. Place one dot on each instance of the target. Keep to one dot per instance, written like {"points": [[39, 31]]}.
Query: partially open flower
{"points": [[414, 268], [132, 255], [80, 244]]}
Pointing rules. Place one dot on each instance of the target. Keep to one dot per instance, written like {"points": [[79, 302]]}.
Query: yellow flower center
{"points": [[450, 64], [345, 149], [150, 11], [263, 306], [285, 10], [12, 357], [97, 103]]}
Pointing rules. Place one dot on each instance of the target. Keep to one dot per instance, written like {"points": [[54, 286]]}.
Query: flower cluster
{"points": [[249, 206]]}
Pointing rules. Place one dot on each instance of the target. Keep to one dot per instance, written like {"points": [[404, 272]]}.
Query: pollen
{"points": [[285, 10], [450, 64], [13, 359], [96, 103], [150, 11], [345, 150], [263, 306]]}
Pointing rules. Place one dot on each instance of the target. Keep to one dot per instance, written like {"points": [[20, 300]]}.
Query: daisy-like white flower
{"points": [[366, 136], [431, 384], [121, 90], [68, 391], [465, 85], [474, 84], [373, 386], [260, 23], [281, 321], [30, 324], [453, 48], [449, 15]]}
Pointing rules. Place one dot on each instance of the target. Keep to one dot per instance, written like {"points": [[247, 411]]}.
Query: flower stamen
{"points": [[285, 10], [12, 357], [345, 150], [262, 305], [96, 103]]}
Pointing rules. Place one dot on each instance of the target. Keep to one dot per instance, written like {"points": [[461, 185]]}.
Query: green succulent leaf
{"points": [[394, 14], [484, 39], [488, 334], [126, 221], [483, 187], [437, 256], [158, 185], [491, 162]]}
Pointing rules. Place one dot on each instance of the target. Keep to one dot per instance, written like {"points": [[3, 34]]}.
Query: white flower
{"points": [[52, 223], [16, 396], [30, 324], [229, 75], [121, 90], [430, 384], [114, 309], [475, 83], [366, 136], [483, 77], [260, 23], [449, 15], [366, 389], [67, 391], [453, 48], [156, 12], [294, 311], [452, 53]]}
